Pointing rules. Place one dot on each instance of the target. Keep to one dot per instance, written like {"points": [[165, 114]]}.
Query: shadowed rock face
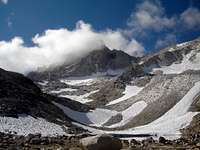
{"points": [[97, 61], [19, 95]]}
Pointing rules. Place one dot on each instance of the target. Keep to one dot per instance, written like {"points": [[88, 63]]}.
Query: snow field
{"points": [[25, 124]]}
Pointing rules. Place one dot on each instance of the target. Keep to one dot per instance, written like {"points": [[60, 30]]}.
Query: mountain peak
{"points": [[98, 61]]}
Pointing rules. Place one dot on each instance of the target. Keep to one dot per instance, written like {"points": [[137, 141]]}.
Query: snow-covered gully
{"points": [[168, 125]]}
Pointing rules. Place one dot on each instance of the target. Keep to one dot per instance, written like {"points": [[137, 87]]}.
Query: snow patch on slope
{"points": [[91, 79], [186, 64], [25, 124], [183, 44], [130, 113], [43, 83], [63, 90], [84, 80], [129, 92], [79, 81], [180, 45], [95, 117], [81, 98]]}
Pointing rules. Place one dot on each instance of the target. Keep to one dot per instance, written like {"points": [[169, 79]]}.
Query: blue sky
{"points": [[26, 18]]}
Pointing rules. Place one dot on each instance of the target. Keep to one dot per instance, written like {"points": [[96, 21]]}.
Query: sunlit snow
{"points": [[81, 98], [169, 124], [186, 64], [63, 90], [130, 113], [129, 92], [24, 125], [95, 117]]}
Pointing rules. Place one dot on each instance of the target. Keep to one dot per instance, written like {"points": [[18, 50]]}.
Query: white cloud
{"points": [[116, 40], [190, 18], [150, 16], [166, 41], [4, 1], [61, 45], [149, 19]]}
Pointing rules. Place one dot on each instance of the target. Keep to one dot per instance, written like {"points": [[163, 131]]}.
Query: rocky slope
{"points": [[21, 100], [172, 60], [14, 142], [156, 95]]}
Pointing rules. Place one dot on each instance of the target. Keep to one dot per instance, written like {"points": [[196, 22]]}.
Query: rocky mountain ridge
{"points": [[103, 61]]}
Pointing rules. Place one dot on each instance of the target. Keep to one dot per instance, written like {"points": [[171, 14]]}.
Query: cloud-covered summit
{"points": [[57, 46]]}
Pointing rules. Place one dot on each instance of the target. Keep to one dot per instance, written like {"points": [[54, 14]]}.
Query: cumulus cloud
{"points": [[4, 1], [62, 45], [190, 18], [116, 40], [187, 21], [149, 16], [149, 19]]}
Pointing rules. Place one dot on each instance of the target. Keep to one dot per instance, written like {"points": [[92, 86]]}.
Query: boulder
{"points": [[134, 142], [101, 142], [162, 140]]}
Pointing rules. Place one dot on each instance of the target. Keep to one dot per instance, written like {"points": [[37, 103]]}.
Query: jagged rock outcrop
{"points": [[102, 61]]}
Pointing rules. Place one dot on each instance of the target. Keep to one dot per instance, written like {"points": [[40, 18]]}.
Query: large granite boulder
{"points": [[101, 142]]}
